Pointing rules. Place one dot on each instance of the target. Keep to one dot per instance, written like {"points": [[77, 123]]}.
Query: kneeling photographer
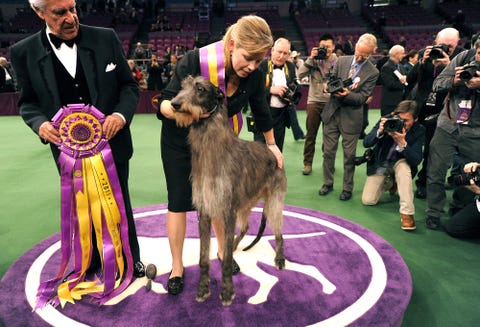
{"points": [[397, 141], [464, 209]]}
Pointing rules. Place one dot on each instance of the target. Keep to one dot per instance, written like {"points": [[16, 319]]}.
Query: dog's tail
{"points": [[261, 229]]}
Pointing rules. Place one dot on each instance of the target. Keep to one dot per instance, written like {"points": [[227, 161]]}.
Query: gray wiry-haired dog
{"points": [[229, 176]]}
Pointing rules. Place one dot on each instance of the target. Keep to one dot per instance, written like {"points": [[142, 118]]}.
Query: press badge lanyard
{"points": [[212, 66], [465, 108]]}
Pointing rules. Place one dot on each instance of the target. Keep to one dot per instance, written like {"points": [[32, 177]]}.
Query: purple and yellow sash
{"points": [[91, 199], [212, 65]]}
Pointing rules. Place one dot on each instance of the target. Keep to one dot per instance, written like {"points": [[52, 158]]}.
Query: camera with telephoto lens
{"points": [[336, 84], [321, 53], [464, 178], [436, 52], [366, 157], [393, 124], [469, 71], [292, 94]]}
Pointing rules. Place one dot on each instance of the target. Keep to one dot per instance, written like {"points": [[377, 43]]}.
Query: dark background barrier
{"points": [[8, 101]]}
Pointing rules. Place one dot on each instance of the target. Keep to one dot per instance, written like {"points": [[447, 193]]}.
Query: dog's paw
{"points": [[201, 297], [227, 302], [280, 264]]}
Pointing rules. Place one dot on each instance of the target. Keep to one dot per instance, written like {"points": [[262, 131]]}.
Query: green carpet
{"points": [[444, 270]]}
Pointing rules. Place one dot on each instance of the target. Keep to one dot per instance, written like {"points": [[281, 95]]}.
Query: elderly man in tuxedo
{"points": [[66, 63], [343, 112], [279, 75]]}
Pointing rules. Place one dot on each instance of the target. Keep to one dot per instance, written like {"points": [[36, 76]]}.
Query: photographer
{"points": [[280, 80], [464, 210], [155, 70], [458, 127], [343, 114], [316, 68], [397, 141], [430, 103]]}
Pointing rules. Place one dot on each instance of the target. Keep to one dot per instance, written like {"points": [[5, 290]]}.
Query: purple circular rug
{"points": [[337, 273]]}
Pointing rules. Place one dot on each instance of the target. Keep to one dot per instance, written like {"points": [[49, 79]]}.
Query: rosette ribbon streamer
{"points": [[212, 66], [92, 202]]}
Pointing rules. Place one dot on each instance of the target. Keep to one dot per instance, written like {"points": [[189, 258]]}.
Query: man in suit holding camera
{"points": [[397, 142], [343, 113]]}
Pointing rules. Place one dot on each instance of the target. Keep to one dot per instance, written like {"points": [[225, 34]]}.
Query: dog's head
{"points": [[197, 99]]}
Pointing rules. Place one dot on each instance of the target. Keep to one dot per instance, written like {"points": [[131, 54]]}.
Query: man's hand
{"points": [[474, 82], [399, 138], [341, 94], [469, 168], [111, 126], [381, 127], [441, 62], [278, 90], [48, 133]]}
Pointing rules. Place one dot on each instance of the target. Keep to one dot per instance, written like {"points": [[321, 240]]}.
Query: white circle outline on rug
{"points": [[364, 303]]}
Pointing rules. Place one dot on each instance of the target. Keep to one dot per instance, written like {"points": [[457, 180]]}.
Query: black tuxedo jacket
{"points": [[392, 90], [290, 75], [110, 83]]}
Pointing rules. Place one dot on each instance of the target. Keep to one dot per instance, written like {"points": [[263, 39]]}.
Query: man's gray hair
{"points": [[477, 44], [368, 39], [38, 5], [448, 32], [281, 40], [395, 49]]}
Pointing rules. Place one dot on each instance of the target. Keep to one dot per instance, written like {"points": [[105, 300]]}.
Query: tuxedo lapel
{"points": [[90, 70], [47, 72]]}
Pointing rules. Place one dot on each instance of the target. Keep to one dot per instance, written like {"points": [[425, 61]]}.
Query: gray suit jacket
{"points": [[111, 90], [350, 107]]}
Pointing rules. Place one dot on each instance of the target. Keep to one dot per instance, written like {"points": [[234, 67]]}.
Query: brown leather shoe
{"points": [[307, 170], [408, 222]]}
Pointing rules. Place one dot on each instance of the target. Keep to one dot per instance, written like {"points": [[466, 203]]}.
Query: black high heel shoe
{"points": [[175, 284], [235, 266]]}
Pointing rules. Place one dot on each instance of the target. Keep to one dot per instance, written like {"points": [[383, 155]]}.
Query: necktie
{"points": [[57, 42], [277, 67], [352, 70]]}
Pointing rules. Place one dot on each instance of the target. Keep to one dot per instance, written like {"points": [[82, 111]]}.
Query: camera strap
{"points": [[269, 77]]}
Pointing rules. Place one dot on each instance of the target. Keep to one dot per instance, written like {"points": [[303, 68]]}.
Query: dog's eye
{"points": [[200, 88]]}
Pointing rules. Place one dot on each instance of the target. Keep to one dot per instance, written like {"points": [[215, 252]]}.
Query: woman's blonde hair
{"points": [[251, 33]]}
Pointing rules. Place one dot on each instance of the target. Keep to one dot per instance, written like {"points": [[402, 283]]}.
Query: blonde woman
{"points": [[243, 47]]}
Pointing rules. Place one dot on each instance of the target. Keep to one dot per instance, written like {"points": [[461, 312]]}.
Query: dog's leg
{"points": [[273, 210], [204, 226], [227, 293], [279, 256]]}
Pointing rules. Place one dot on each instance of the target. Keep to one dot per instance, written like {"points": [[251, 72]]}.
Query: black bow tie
{"points": [[57, 42], [277, 67]]}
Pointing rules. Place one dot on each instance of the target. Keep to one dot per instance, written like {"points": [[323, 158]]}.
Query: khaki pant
{"points": [[376, 185]]}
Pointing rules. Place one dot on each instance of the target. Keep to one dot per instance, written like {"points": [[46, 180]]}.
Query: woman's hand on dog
{"points": [[277, 153], [167, 110]]}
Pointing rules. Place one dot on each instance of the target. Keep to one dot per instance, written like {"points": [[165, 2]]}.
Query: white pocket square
{"points": [[110, 67]]}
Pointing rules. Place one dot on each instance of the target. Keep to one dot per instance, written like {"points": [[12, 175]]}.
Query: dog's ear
{"points": [[187, 80], [220, 94]]}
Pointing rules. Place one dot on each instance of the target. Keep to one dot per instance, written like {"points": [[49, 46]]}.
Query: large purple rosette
{"points": [[92, 201]]}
